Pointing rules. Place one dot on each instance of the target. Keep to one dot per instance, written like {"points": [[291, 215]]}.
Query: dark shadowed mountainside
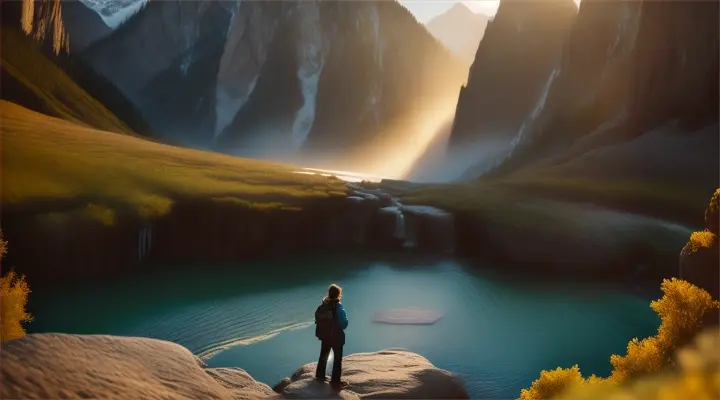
{"points": [[638, 80], [521, 46]]}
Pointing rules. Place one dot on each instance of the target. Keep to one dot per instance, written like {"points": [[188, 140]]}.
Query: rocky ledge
{"points": [[54, 366]]}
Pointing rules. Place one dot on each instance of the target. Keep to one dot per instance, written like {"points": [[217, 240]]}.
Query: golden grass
{"points": [[502, 195], [59, 95], [54, 161]]}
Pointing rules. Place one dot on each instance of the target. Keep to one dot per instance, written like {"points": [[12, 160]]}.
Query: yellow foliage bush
{"points": [[696, 376], [3, 245], [14, 292], [552, 383], [681, 309], [701, 240]]}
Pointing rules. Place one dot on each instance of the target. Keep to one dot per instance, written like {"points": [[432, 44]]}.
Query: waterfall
{"points": [[144, 243], [400, 232], [312, 59]]}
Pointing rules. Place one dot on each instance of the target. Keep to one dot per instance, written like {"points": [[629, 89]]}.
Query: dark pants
{"points": [[337, 361]]}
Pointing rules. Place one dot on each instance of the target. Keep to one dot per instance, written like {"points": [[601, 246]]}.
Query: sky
{"points": [[424, 10]]}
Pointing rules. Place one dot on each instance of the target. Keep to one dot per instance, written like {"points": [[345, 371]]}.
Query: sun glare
{"points": [[407, 141]]}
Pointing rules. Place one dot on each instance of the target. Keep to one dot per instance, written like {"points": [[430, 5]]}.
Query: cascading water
{"points": [[400, 231], [144, 243], [312, 56], [539, 107]]}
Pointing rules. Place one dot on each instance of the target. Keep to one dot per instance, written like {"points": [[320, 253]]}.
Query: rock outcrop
{"points": [[220, 231], [277, 78], [700, 258], [55, 366], [388, 374], [412, 227], [516, 57], [59, 366]]}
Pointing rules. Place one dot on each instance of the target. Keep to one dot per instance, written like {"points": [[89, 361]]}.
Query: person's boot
{"points": [[322, 379]]}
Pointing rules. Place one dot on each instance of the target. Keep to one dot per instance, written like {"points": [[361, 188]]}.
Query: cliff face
{"points": [[325, 77], [628, 68], [521, 46], [276, 76]]}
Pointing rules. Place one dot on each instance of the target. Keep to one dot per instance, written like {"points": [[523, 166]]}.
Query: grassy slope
{"points": [[638, 177], [38, 83], [53, 165], [506, 199]]}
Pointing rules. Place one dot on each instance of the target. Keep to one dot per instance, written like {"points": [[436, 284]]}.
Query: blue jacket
{"points": [[341, 316]]}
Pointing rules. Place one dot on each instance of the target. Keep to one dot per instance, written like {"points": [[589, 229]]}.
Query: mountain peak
{"points": [[459, 29], [460, 7]]}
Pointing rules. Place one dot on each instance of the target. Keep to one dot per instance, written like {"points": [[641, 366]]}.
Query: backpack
{"points": [[325, 321]]}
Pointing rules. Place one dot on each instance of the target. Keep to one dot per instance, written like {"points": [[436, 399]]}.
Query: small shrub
{"points": [[700, 240], [101, 214], [551, 383], [14, 292], [3, 245]]}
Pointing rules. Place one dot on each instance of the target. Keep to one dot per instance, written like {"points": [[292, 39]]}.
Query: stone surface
{"points": [[387, 374], [55, 366]]}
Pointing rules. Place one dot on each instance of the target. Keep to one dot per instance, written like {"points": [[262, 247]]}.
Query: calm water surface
{"points": [[498, 332]]}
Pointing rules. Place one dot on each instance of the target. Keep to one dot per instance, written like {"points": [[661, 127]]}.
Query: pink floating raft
{"points": [[407, 316]]}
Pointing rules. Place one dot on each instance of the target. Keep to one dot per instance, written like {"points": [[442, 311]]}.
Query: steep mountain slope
{"points": [[460, 30], [30, 79], [269, 78], [521, 46], [84, 26], [38, 71], [632, 72]]}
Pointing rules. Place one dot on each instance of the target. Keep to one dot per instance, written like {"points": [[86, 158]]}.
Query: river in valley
{"points": [[497, 332]]}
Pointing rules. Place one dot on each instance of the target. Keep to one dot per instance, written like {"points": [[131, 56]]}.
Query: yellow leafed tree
{"points": [[14, 292]]}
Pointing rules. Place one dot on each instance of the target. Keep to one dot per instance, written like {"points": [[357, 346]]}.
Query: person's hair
{"points": [[334, 292]]}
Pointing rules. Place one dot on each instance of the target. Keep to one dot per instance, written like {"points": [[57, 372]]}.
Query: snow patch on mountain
{"points": [[115, 12]]}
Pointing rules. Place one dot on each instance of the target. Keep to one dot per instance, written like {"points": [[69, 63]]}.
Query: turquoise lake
{"points": [[498, 331]]}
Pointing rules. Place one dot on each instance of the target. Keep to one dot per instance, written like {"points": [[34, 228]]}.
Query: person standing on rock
{"points": [[330, 323]]}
